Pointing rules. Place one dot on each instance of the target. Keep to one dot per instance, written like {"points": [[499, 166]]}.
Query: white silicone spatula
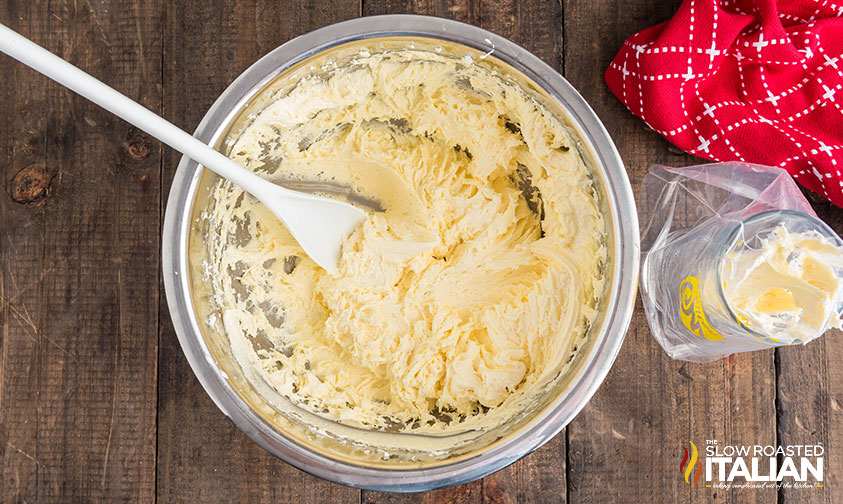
{"points": [[318, 224]]}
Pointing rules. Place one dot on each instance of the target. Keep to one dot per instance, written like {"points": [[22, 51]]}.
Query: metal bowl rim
{"points": [[541, 429]]}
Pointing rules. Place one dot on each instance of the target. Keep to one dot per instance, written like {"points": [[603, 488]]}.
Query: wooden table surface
{"points": [[97, 402]]}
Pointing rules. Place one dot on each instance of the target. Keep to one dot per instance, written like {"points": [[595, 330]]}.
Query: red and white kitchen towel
{"points": [[749, 80]]}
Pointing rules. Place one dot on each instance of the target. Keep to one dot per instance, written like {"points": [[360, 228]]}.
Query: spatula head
{"points": [[319, 225]]}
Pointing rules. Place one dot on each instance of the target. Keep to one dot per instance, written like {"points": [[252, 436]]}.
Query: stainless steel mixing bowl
{"points": [[389, 460]]}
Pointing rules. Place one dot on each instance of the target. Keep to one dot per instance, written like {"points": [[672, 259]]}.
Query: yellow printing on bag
{"points": [[691, 310]]}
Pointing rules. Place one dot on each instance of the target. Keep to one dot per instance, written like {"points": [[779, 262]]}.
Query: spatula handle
{"points": [[47, 63]]}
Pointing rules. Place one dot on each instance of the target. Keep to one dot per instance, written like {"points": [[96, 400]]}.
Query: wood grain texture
{"points": [[202, 456], [810, 394], [80, 290], [21, 253], [628, 441]]}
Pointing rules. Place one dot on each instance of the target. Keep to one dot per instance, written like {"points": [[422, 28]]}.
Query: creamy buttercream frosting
{"points": [[789, 288], [474, 278]]}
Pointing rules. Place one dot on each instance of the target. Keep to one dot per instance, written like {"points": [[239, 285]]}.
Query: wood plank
{"points": [[536, 25], [202, 456], [627, 443], [81, 268], [810, 395], [21, 256], [98, 401]]}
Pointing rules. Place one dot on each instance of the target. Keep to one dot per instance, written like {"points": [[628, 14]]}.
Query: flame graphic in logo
{"points": [[689, 468]]}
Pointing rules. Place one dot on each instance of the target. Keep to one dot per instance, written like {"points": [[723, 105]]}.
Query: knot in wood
{"points": [[31, 186], [138, 147]]}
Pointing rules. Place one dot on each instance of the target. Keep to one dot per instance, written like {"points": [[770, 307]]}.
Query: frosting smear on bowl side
{"points": [[473, 287]]}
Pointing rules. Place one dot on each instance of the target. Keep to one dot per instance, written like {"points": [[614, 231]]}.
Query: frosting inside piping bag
{"points": [[789, 288]]}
